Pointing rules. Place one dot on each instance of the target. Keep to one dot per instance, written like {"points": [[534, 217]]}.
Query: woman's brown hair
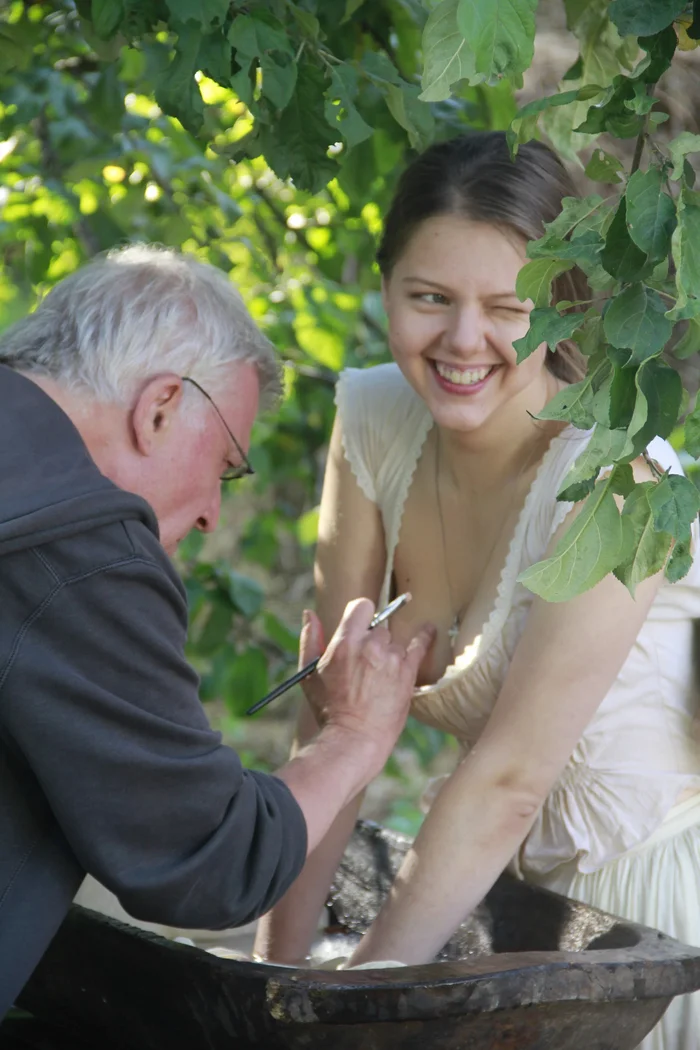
{"points": [[474, 176]]}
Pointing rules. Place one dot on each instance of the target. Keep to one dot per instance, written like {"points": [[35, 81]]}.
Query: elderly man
{"points": [[124, 400]]}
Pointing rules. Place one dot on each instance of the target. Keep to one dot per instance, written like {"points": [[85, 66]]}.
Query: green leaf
{"points": [[583, 249], [651, 548], [644, 17], [574, 403], [675, 504], [446, 55], [548, 326], [280, 634], [106, 17], [651, 214], [351, 7], [679, 148], [343, 90], [621, 398], [659, 397], [636, 320], [252, 36], [589, 336], [680, 562], [412, 114], [660, 49], [307, 528], [295, 146], [501, 34], [685, 246], [689, 344], [593, 546], [214, 58], [602, 450], [524, 124], [534, 280], [216, 629], [178, 92], [278, 79], [573, 211], [692, 434], [603, 167], [245, 680], [621, 257], [246, 594], [208, 13]]}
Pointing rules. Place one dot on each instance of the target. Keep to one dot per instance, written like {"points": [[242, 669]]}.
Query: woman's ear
{"points": [[154, 413]]}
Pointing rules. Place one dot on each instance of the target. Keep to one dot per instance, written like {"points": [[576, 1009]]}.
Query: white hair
{"points": [[135, 313]]}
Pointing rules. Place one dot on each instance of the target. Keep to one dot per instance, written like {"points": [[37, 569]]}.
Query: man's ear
{"points": [[154, 412]]}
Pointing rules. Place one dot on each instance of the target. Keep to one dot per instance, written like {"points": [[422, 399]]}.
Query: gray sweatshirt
{"points": [[107, 762]]}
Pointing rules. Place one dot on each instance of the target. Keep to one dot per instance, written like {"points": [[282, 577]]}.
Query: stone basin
{"points": [[530, 970]]}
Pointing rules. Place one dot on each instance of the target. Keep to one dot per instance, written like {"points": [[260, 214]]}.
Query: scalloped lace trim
{"points": [[506, 584]]}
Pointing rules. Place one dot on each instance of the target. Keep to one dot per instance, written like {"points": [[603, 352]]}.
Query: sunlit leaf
{"points": [[447, 56], [603, 167], [692, 433], [596, 542], [675, 504], [679, 148], [636, 319], [501, 34], [621, 257], [686, 247], [602, 450], [548, 326], [645, 17], [534, 280], [650, 547], [651, 214]]}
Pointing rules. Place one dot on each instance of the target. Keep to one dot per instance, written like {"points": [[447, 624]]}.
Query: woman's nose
{"points": [[466, 331]]}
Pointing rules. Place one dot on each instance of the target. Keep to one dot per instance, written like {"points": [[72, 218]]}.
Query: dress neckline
{"points": [[507, 579]]}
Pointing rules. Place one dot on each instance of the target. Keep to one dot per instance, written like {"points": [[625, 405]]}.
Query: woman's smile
{"points": [[461, 380]]}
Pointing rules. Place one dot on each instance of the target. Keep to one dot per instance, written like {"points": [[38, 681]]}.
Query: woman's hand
{"points": [[364, 681]]}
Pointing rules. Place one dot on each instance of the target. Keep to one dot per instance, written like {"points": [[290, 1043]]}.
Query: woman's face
{"points": [[453, 317]]}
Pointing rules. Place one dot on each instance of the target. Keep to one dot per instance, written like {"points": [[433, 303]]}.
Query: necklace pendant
{"points": [[453, 631]]}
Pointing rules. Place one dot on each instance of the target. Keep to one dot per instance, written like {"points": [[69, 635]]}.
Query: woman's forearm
{"points": [[471, 833], [286, 933]]}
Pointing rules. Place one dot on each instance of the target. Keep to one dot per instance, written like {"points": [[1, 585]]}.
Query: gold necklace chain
{"points": [[458, 614]]}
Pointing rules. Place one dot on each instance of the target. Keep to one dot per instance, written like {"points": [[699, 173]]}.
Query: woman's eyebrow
{"points": [[421, 280]]}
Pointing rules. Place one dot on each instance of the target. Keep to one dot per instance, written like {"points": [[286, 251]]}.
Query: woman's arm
{"points": [[567, 659], [350, 560]]}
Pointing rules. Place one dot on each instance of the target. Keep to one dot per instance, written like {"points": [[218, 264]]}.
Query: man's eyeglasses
{"points": [[234, 473]]}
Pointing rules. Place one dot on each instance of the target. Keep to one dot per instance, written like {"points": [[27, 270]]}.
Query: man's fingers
{"points": [[419, 645], [356, 618], [311, 639]]}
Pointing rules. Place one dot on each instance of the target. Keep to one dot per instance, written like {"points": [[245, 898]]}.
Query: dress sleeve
{"points": [[358, 426]]}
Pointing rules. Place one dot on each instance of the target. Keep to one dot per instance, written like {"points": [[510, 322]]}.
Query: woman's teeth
{"points": [[467, 378]]}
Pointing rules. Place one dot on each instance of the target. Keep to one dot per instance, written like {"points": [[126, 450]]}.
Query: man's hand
{"points": [[364, 681]]}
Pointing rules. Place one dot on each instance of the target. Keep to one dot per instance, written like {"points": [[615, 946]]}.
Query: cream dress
{"points": [[612, 832]]}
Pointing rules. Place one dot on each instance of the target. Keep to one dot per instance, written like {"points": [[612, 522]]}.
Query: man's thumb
{"points": [[311, 638]]}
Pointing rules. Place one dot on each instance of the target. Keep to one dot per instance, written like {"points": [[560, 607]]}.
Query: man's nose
{"points": [[209, 519]]}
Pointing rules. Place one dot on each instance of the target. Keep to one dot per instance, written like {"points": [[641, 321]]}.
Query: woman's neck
{"points": [[504, 448]]}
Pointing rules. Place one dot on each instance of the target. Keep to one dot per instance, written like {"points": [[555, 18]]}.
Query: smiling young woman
{"points": [[586, 778]]}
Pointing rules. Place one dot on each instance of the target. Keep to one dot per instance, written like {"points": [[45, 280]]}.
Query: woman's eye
{"points": [[432, 298]]}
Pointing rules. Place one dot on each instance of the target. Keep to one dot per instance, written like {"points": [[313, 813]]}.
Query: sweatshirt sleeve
{"points": [[104, 707]]}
